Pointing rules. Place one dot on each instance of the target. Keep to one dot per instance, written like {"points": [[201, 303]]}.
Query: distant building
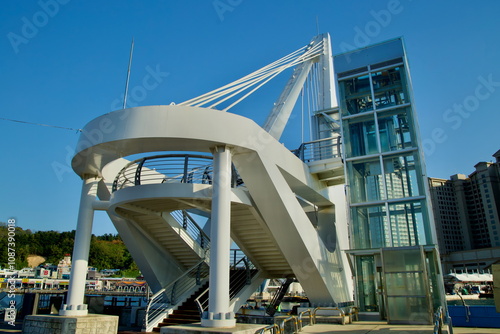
{"points": [[93, 273], [467, 209], [26, 273], [64, 267]]}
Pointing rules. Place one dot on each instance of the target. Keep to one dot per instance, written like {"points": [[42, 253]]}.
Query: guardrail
{"points": [[273, 329], [169, 168], [289, 319], [320, 149], [311, 319], [247, 269], [191, 227], [169, 296], [341, 312]]}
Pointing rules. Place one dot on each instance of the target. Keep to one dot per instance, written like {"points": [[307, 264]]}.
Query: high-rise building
{"points": [[467, 209], [393, 243]]}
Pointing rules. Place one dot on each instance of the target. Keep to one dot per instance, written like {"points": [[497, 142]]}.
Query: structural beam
{"points": [[219, 314], [76, 291]]}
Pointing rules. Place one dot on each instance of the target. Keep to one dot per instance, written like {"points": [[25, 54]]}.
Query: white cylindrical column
{"points": [[79, 262], [218, 314]]}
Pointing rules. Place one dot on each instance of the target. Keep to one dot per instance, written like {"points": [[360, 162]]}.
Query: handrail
{"points": [[341, 311], [169, 296], [169, 168], [274, 329], [202, 301], [319, 149], [236, 281], [191, 227], [295, 323], [311, 320]]}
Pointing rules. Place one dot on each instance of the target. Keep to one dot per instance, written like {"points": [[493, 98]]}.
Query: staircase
{"points": [[190, 310], [186, 313]]}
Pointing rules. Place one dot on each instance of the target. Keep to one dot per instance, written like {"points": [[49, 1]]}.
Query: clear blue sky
{"points": [[63, 62]]}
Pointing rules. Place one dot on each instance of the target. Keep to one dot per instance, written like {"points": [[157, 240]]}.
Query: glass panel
{"points": [[367, 294], [370, 227], [406, 287], [405, 284], [387, 88], [395, 132], [433, 273], [366, 181], [401, 260], [362, 137], [408, 310], [401, 177], [406, 224], [357, 94]]}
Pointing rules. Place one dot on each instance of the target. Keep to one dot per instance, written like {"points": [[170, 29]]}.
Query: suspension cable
{"points": [[248, 84]]}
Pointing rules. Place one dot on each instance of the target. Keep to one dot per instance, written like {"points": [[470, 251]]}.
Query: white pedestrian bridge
{"points": [[184, 183], [281, 211]]}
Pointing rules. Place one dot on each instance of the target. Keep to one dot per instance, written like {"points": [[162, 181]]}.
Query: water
{"points": [[5, 301], [470, 302]]}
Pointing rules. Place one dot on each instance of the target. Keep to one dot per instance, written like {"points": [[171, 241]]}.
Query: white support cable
{"points": [[253, 90], [247, 85], [309, 100], [261, 76], [271, 74], [208, 97], [302, 114], [274, 74], [251, 75]]}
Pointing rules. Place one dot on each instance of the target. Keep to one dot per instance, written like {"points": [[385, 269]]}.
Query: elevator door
{"points": [[407, 292]]}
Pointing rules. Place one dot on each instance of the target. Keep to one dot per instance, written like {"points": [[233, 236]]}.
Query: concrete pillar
{"points": [[219, 314], [79, 261]]}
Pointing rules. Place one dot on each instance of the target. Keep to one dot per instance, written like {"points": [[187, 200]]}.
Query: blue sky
{"points": [[63, 62]]}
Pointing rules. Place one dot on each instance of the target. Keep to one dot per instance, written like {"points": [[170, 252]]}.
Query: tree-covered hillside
{"points": [[106, 252]]}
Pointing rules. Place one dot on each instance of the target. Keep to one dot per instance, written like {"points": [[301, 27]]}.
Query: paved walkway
{"points": [[380, 327], [364, 327]]}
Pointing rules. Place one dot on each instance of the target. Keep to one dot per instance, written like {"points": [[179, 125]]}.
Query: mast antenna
{"points": [[128, 74]]}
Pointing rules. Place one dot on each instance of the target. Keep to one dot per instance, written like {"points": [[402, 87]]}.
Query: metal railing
{"points": [[247, 270], [169, 296], [243, 272], [273, 329], [339, 310], [320, 149], [191, 227], [311, 319], [289, 319], [280, 327], [169, 168]]}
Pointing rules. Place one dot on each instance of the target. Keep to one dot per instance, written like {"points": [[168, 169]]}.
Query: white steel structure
{"points": [[285, 210]]}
